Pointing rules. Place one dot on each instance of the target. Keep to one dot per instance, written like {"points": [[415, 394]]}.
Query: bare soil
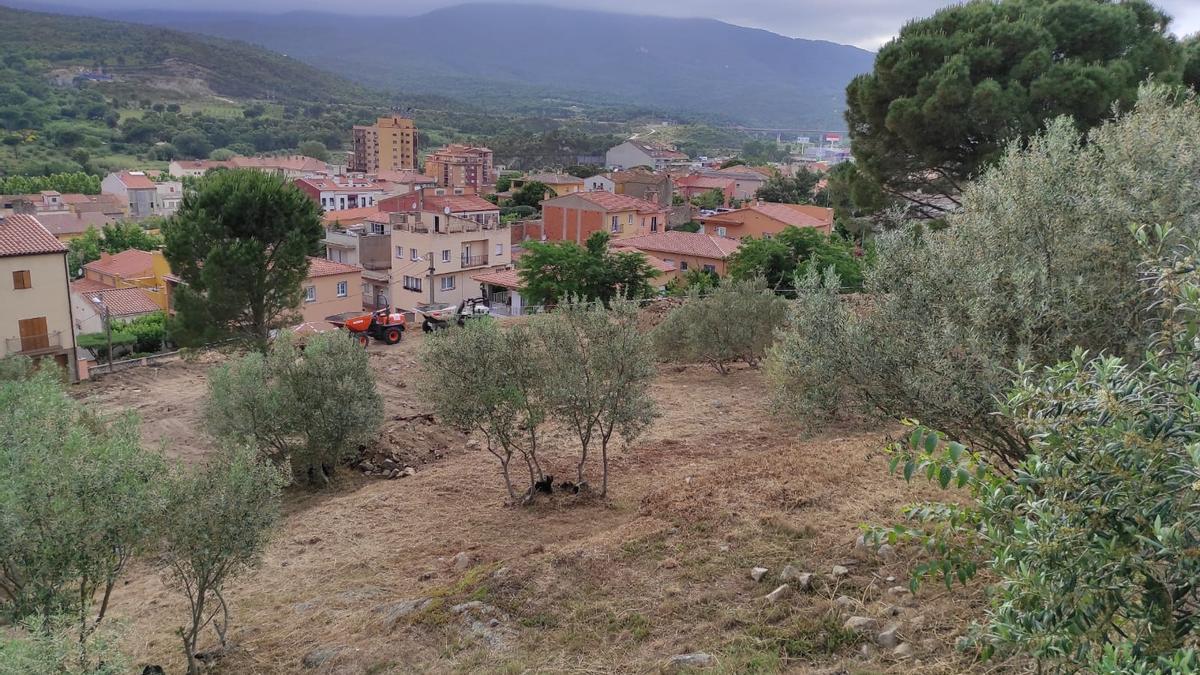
{"points": [[718, 485]]}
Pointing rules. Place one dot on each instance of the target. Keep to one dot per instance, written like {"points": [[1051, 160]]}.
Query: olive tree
{"points": [[1092, 539], [735, 322], [481, 378], [219, 522], [51, 647], [1039, 260], [599, 367], [78, 500], [310, 406]]}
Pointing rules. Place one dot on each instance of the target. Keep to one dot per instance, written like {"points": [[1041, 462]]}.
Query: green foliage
{"points": [[149, 331], [504, 180], [551, 272], [52, 648], [221, 517], [70, 183], [709, 199], [794, 251], [584, 170], [531, 194], [953, 90], [15, 367], [797, 189], [98, 342], [946, 315], [689, 226], [240, 243], [735, 322], [78, 500], [481, 378], [694, 280], [733, 161], [314, 149], [312, 407], [114, 238]]}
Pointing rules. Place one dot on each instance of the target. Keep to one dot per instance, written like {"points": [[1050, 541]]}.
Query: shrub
{"points": [[948, 314], [736, 322], [312, 407], [52, 647]]}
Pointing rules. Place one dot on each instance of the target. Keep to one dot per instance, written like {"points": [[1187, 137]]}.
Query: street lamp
{"points": [[107, 328]]}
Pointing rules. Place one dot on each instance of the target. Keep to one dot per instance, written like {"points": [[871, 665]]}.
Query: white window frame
{"points": [[499, 249], [342, 289], [310, 294], [400, 253], [616, 224], [446, 255], [721, 231], [415, 256], [447, 286]]}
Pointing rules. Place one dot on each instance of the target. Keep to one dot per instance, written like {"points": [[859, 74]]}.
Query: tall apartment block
{"points": [[388, 145], [461, 166]]}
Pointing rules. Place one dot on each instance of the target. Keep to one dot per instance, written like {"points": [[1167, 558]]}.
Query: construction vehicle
{"points": [[440, 315], [382, 324]]}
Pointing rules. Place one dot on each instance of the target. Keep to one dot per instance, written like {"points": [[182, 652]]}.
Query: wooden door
{"points": [[34, 334]]}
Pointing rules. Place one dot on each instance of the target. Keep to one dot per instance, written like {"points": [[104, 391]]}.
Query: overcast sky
{"points": [[866, 23]]}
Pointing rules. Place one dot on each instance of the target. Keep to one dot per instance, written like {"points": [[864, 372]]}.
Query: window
{"points": [[21, 280], [341, 289], [720, 232], [400, 252], [412, 283], [376, 228], [629, 219], [446, 255], [310, 294], [682, 265], [499, 249], [616, 224], [447, 283], [654, 223], [710, 268], [415, 256]]}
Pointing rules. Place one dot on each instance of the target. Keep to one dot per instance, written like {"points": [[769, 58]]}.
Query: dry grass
{"points": [[717, 486]]}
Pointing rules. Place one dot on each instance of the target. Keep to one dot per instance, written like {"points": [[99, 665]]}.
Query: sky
{"points": [[865, 23]]}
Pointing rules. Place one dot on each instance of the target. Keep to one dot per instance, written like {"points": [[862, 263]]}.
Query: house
{"points": [[68, 225], [388, 145], [574, 217], [170, 196], [368, 246], [147, 270], [400, 182], [461, 166], [291, 166], [455, 247], [633, 153], [330, 288], [746, 180], [652, 186], [502, 289], [135, 189], [34, 294], [767, 219], [438, 200], [686, 250], [599, 182], [195, 168], [90, 299], [339, 193], [560, 183], [349, 217], [694, 185]]}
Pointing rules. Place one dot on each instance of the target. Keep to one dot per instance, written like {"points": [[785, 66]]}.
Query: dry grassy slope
{"points": [[717, 486]]}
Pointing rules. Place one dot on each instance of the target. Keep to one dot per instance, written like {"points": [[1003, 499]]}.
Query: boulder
{"points": [[394, 611], [889, 637], [758, 573], [840, 571], [860, 624], [886, 552], [903, 651], [693, 660], [778, 593]]}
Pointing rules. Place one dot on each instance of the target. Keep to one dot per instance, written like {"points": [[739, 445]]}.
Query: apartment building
{"points": [[388, 145], [576, 216], [633, 153], [339, 193], [461, 166], [330, 288], [34, 294], [135, 189], [454, 247]]}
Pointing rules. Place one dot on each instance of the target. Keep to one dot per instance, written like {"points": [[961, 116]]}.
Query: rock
{"points": [[778, 593], [904, 651], [890, 579], [470, 606], [866, 651], [893, 610], [861, 542], [694, 660], [917, 622], [804, 581], [717, 404], [758, 573], [889, 637], [395, 611], [408, 471], [317, 657], [897, 592], [461, 561], [723, 548], [669, 564], [389, 465], [788, 573], [860, 624], [501, 573], [845, 602], [153, 670], [886, 552], [367, 467], [840, 571]]}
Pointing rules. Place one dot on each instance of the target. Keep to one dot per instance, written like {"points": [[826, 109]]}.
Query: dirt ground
{"points": [[372, 576]]}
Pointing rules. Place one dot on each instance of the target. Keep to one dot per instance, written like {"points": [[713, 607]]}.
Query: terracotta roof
{"points": [[122, 301], [333, 185], [553, 178], [130, 264], [204, 164], [86, 285], [346, 215], [736, 172], [436, 203], [506, 278], [136, 180], [704, 182], [610, 201], [684, 243], [60, 224], [800, 215], [320, 267], [22, 234], [280, 163], [655, 262], [637, 176], [404, 177]]}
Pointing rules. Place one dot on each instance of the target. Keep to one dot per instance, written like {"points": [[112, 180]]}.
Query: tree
{"points": [[315, 149], [78, 500], [504, 181], [113, 238], [221, 154], [797, 189], [240, 243], [481, 378], [947, 315], [221, 518], [149, 331], [52, 648], [735, 322], [192, 143], [312, 407], [555, 271], [598, 376], [531, 194], [709, 200], [794, 251], [948, 94]]}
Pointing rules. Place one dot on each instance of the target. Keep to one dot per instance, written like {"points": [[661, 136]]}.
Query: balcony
{"points": [[474, 261], [34, 344]]}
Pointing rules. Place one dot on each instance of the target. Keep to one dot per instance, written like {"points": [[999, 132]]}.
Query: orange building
{"points": [[576, 216], [461, 166], [767, 219], [330, 288], [388, 145], [685, 251]]}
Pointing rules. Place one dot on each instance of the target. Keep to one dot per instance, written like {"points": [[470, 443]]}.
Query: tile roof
{"points": [[404, 177], [86, 285], [506, 278], [320, 267], [136, 180], [22, 234], [704, 182], [800, 215], [280, 163], [637, 176], [334, 185], [610, 201], [413, 201], [658, 150], [346, 215], [130, 264], [683, 243], [553, 178], [655, 262], [121, 301], [60, 224]]}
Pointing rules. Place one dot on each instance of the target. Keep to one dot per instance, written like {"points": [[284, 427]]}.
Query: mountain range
{"points": [[505, 56]]}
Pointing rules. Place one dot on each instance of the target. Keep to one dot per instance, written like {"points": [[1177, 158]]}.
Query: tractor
{"points": [[438, 316], [383, 325]]}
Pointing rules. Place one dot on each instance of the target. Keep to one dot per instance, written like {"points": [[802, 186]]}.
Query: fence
{"points": [[102, 367]]}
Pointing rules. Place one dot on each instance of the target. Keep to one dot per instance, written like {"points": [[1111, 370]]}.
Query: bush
{"points": [[149, 331], [312, 407], [736, 322], [1092, 539], [947, 315], [52, 648], [98, 342]]}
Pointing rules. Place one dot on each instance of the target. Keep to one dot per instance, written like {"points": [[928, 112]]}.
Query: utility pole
{"points": [[431, 277]]}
